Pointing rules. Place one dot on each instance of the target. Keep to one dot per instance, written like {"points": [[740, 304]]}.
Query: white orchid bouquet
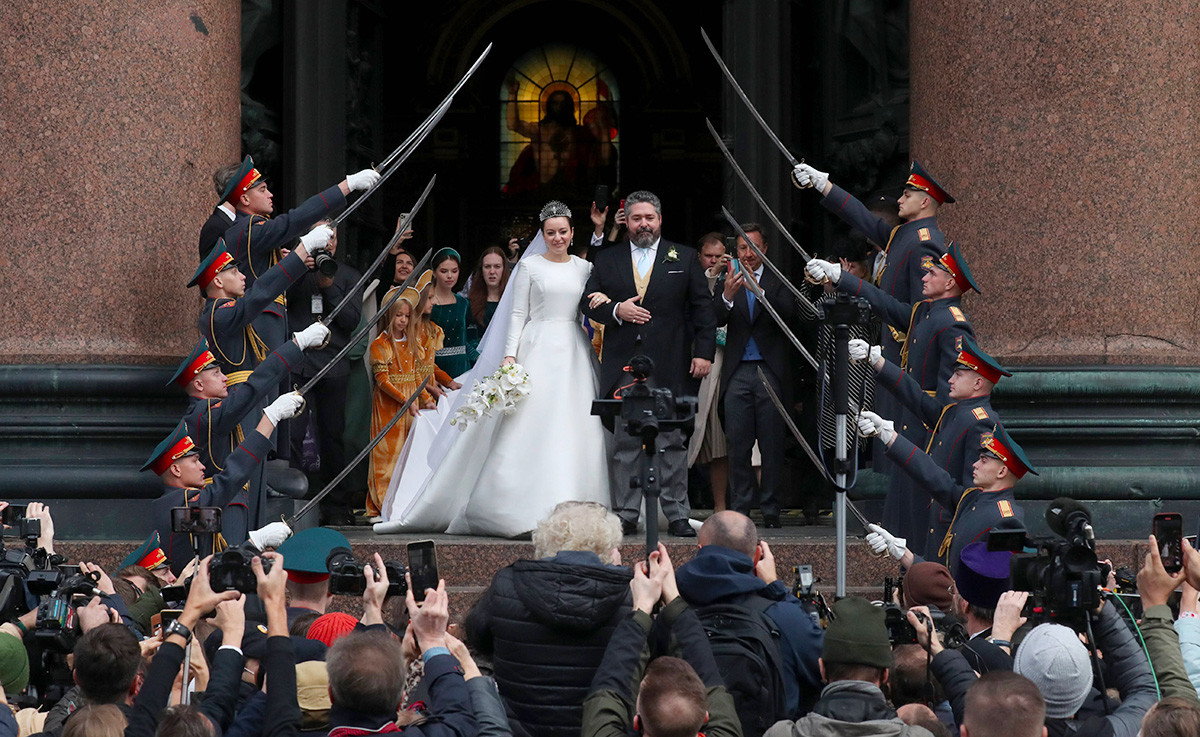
{"points": [[499, 392]]}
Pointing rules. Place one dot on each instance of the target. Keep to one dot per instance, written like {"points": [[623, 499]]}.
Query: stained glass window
{"points": [[559, 123]]}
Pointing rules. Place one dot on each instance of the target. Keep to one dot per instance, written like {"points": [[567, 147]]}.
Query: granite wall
{"points": [[114, 116], [1068, 133]]}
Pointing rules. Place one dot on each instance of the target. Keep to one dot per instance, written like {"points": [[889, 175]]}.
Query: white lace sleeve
{"points": [[520, 308]]}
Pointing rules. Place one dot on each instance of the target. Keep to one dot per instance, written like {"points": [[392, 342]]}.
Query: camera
{"points": [[347, 576], [229, 570], [324, 263], [812, 601], [1063, 575], [647, 410], [57, 621], [901, 632]]}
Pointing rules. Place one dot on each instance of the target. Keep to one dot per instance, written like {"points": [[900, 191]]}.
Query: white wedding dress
{"points": [[507, 472]]}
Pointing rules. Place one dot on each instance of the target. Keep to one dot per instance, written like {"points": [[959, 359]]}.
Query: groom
{"points": [[660, 308]]}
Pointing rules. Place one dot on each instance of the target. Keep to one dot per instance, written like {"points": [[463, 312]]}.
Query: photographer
{"points": [[1052, 656], [1162, 641], [679, 693], [327, 284]]}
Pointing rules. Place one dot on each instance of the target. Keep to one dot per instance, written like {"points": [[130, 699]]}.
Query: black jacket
{"points": [[681, 326], [546, 624], [212, 230], [768, 336]]}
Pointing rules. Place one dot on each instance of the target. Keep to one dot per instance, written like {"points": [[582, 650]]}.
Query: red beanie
{"points": [[329, 627]]}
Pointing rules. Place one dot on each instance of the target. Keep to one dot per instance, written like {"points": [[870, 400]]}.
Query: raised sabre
{"points": [[362, 454], [753, 110], [754, 192], [761, 296], [775, 270], [791, 426]]}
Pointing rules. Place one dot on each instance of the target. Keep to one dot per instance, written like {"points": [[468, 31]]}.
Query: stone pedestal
{"points": [[114, 117], [1068, 133]]}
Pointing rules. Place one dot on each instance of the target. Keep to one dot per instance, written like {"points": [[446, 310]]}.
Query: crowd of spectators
{"points": [[573, 641]]}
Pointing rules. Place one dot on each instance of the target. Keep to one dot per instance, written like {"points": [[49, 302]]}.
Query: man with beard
{"points": [[551, 155], [661, 308]]}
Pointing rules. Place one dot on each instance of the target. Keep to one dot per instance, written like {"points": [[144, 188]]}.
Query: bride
{"points": [[505, 473]]}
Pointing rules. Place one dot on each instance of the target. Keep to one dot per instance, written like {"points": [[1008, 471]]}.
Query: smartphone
{"points": [[1168, 531], [13, 513], [422, 567], [730, 244], [159, 620], [600, 197], [734, 266], [622, 204], [191, 520]]}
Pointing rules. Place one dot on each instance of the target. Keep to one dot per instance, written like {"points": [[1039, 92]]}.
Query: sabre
{"points": [[754, 192], [370, 270], [445, 103], [366, 328], [753, 110], [362, 454], [779, 274], [791, 426], [761, 296]]}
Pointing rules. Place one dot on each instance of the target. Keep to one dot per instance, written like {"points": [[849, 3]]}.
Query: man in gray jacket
{"points": [[855, 663]]}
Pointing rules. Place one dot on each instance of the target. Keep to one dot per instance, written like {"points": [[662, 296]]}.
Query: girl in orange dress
{"points": [[398, 370]]}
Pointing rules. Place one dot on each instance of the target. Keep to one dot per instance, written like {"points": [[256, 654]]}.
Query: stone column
{"points": [[114, 117], [1068, 132]]}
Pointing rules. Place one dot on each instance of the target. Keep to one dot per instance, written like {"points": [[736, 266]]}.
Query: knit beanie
{"points": [[331, 626], [14, 664], [1052, 656], [928, 584], [857, 635]]}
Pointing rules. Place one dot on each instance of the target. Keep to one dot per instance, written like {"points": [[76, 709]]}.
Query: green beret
{"points": [[14, 664], [857, 635]]}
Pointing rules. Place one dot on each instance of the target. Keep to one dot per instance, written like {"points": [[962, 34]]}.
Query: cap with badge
{"points": [[954, 263], [199, 359], [982, 575], [247, 176], [149, 554], [173, 447], [999, 445], [218, 259], [971, 356], [305, 552], [920, 180]]}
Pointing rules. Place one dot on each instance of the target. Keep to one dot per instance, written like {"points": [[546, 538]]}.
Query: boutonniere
{"points": [[672, 256]]}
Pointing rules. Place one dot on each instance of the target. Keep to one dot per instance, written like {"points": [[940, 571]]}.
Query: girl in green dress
{"points": [[450, 313]]}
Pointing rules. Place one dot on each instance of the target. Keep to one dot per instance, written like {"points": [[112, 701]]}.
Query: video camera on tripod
{"points": [[1062, 574], [646, 412]]}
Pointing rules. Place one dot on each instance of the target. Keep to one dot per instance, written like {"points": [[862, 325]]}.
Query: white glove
{"points": [[285, 407], [862, 350], [882, 541], [271, 536], [804, 176], [361, 180], [871, 424], [310, 336], [822, 271], [315, 239]]}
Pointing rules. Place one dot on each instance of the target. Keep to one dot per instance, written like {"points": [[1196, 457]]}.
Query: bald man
{"points": [[733, 567]]}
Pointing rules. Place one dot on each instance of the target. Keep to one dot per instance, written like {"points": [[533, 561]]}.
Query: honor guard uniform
{"points": [[150, 556], [908, 248], [226, 491], [935, 329], [958, 430], [986, 503]]}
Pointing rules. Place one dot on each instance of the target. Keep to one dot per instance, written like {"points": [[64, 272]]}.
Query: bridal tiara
{"points": [[554, 209]]}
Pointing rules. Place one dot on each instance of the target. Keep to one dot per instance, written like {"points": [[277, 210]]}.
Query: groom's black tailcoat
{"points": [[682, 323]]}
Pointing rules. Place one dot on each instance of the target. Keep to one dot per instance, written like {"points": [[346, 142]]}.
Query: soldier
{"points": [[958, 428], [987, 504], [255, 239], [905, 249], [215, 410], [223, 214], [935, 328], [305, 555], [177, 462], [150, 556]]}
